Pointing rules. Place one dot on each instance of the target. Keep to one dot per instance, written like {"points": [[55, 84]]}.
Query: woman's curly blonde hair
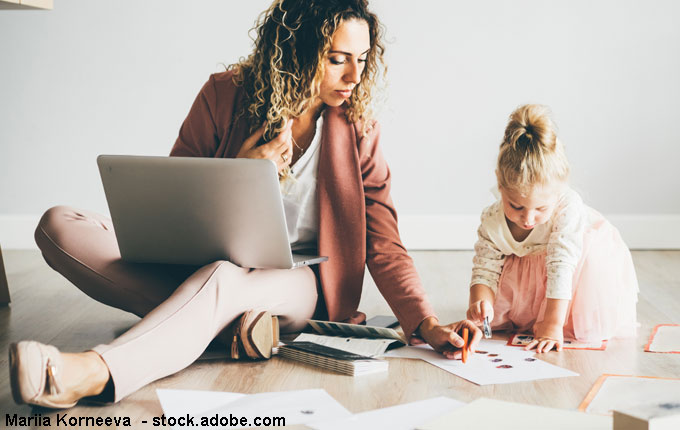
{"points": [[281, 77]]}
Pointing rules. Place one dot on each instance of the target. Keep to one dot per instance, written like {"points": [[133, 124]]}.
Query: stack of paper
{"points": [[332, 359], [356, 330], [361, 346]]}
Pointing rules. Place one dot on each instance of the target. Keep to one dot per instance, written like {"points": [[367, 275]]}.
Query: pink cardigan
{"points": [[358, 222]]}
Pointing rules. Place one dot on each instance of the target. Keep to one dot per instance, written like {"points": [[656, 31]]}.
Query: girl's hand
{"points": [[480, 310], [447, 339], [279, 149], [546, 337]]}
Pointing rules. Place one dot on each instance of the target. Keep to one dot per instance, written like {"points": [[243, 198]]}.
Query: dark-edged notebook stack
{"points": [[332, 359], [331, 328]]}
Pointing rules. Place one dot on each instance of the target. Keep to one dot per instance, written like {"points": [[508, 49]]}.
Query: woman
{"points": [[305, 91]]}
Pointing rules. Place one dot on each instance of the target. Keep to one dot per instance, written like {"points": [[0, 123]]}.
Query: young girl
{"points": [[545, 261]]}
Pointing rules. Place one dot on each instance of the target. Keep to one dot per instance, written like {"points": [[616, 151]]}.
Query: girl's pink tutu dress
{"points": [[577, 255]]}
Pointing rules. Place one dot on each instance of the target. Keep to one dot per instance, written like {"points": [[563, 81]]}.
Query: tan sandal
{"points": [[34, 371], [254, 335]]}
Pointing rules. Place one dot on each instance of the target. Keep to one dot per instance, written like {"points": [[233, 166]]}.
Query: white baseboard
{"points": [[435, 232], [16, 231], [423, 232]]}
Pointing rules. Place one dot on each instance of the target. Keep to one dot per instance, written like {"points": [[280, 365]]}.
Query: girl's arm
{"points": [[565, 245], [563, 253], [481, 303], [487, 267], [549, 332]]}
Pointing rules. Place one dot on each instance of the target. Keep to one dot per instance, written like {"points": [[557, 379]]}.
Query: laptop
{"points": [[191, 210]]}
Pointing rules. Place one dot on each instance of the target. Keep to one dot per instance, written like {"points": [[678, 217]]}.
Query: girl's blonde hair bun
{"points": [[531, 154]]}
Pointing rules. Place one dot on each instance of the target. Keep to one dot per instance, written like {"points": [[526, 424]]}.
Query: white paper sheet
{"points": [[400, 417], [179, 403], [297, 407], [367, 347], [666, 339], [488, 414], [489, 364], [625, 392]]}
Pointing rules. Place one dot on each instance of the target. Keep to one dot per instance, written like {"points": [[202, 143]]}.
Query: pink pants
{"points": [[183, 307]]}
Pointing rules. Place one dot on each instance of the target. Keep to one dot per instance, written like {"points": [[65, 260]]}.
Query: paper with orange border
{"points": [[651, 339], [598, 384], [602, 347]]}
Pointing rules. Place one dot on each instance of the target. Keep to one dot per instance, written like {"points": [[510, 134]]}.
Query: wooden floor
{"points": [[47, 308]]}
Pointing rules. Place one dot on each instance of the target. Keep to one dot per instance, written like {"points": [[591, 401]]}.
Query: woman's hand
{"points": [[279, 149], [480, 310], [546, 337], [447, 339]]}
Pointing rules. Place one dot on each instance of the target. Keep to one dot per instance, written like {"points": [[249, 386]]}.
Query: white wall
{"points": [[93, 76]]}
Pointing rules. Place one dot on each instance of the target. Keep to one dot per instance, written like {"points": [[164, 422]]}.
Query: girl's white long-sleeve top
{"points": [[561, 238]]}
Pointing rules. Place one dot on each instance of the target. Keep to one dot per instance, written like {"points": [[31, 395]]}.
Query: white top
{"points": [[299, 197], [561, 238]]}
